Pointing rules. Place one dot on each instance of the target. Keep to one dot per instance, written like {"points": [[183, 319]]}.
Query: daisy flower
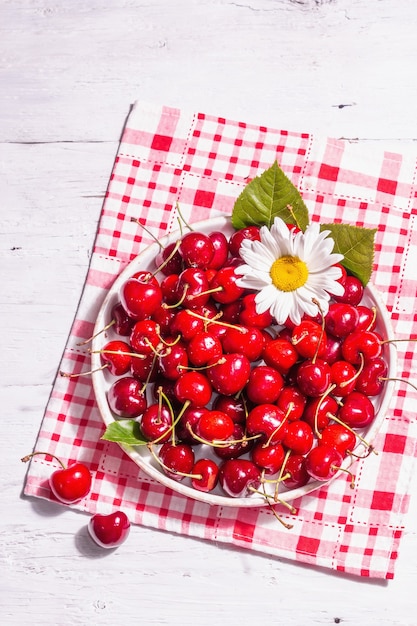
{"points": [[295, 273]]}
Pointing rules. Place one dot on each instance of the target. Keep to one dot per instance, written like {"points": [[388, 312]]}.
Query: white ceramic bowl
{"points": [[141, 455]]}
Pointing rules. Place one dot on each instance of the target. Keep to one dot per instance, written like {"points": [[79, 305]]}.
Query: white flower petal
{"points": [[314, 248]]}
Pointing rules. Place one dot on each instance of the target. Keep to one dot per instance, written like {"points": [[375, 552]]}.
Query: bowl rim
{"points": [[221, 223]]}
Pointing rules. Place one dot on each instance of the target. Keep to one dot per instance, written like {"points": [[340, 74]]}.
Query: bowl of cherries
{"points": [[215, 400]]}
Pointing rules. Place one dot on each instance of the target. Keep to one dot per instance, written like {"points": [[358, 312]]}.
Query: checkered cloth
{"points": [[203, 162]]}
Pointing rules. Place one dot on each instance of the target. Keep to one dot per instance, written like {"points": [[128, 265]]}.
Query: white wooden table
{"points": [[69, 72]]}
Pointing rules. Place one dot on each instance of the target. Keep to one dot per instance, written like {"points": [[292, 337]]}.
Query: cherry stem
{"points": [[27, 458], [136, 220], [168, 344], [280, 475], [174, 421], [219, 443], [207, 292], [154, 350], [345, 383], [317, 303], [396, 340], [213, 320], [177, 206], [180, 301], [201, 367], [168, 259], [316, 414], [372, 322], [149, 376], [83, 343], [274, 432], [400, 380], [66, 375], [342, 469], [361, 439], [119, 352], [268, 497]]}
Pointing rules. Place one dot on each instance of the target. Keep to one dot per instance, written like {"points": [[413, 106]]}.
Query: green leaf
{"points": [[357, 246], [124, 431], [267, 196]]}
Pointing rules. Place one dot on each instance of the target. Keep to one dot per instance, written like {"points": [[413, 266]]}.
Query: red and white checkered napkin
{"points": [[203, 162]]}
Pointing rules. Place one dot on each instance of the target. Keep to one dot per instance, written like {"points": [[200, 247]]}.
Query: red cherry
{"points": [[68, 484], [225, 283], [268, 457], [235, 240], [292, 402], [187, 424], [234, 447], [341, 319], [156, 423], [169, 260], [116, 355], [264, 385], [215, 426], [343, 375], [269, 421], [234, 407], [196, 249], [296, 468], [126, 397], [221, 250], [109, 531], [280, 354], [309, 339], [204, 347], [364, 343], [145, 337], [71, 484], [173, 361], [357, 410], [141, 296], [319, 411], [192, 288], [338, 436], [164, 318], [177, 459], [247, 341], [186, 324], [249, 315], [323, 462], [169, 288], [229, 374], [313, 377], [353, 291], [238, 477], [193, 388], [122, 322], [333, 349], [367, 318], [205, 475], [230, 311], [299, 437], [371, 379], [144, 369]]}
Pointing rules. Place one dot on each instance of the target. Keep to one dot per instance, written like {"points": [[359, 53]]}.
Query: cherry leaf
{"points": [[267, 196], [357, 246], [124, 431]]}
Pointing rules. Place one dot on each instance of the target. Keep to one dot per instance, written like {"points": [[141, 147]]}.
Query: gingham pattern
{"points": [[203, 162]]}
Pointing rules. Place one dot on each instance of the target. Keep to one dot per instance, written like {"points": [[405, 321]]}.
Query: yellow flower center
{"points": [[288, 273]]}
